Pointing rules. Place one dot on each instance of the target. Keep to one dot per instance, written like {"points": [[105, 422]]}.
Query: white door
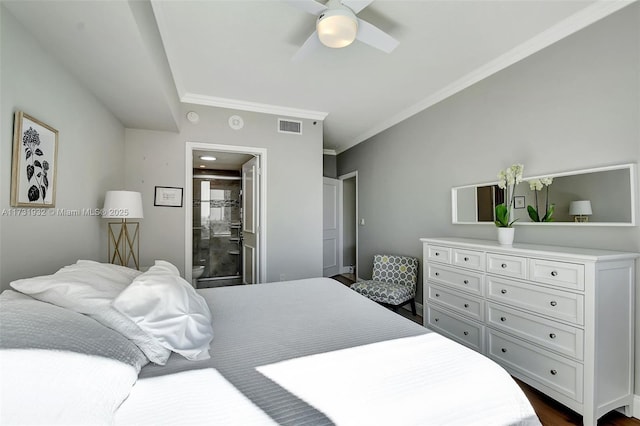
{"points": [[250, 221], [331, 227]]}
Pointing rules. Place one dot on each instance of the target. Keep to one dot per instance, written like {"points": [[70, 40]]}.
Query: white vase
{"points": [[505, 236]]}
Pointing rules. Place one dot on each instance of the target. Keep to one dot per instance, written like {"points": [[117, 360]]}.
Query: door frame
{"points": [[346, 176], [261, 154]]}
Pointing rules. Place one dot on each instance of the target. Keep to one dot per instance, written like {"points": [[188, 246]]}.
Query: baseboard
{"points": [[635, 408]]}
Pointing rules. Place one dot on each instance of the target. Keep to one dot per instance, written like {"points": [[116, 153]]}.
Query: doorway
{"points": [[223, 245], [217, 223]]}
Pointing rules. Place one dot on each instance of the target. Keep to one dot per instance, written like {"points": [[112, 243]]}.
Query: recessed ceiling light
{"points": [[207, 158], [193, 117]]}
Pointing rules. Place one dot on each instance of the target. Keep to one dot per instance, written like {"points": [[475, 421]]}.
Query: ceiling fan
{"points": [[338, 26]]}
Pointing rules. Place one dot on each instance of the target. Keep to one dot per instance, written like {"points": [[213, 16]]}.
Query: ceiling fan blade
{"points": [[312, 43], [309, 6], [375, 37], [356, 5]]}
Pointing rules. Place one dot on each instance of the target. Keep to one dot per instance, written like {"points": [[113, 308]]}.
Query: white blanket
{"points": [[48, 387], [195, 397], [423, 380]]}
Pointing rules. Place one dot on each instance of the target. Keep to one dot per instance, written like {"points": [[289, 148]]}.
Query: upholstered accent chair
{"points": [[393, 283]]}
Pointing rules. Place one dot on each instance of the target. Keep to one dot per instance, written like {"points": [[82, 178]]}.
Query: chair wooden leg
{"points": [[413, 307]]}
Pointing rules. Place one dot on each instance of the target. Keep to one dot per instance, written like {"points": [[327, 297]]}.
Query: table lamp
{"points": [[123, 236]]}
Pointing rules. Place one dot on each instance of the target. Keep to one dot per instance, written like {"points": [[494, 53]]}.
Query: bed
{"points": [[305, 352]]}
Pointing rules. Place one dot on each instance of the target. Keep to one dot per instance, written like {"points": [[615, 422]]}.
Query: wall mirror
{"points": [[603, 196]]}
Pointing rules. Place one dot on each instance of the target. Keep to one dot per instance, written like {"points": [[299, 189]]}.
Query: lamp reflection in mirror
{"points": [[581, 210], [123, 236]]}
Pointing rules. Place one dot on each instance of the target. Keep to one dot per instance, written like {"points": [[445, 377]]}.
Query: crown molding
{"points": [[329, 152], [564, 28], [192, 98]]}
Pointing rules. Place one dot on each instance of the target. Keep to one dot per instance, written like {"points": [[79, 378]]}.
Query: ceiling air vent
{"points": [[289, 126]]}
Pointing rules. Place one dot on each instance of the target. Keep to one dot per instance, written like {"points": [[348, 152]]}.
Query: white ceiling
{"points": [[141, 59]]}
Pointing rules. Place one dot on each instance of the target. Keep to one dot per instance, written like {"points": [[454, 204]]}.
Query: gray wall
{"points": [[329, 166], [349, 222], [294, 188], [90, 152], [573, 105]]}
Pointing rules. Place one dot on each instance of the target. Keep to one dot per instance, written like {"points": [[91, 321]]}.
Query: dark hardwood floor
{"points": [[550, 412]]}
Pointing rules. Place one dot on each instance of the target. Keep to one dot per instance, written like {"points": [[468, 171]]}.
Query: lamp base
{"points": [[124, 243], [581, 219]]}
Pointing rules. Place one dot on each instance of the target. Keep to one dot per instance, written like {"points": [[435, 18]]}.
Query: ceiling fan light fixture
{"points": [[337, 28]]}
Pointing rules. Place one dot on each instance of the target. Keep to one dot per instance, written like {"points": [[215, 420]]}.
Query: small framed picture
{"points": [[168, 196], [518, 202], [33, 166]]}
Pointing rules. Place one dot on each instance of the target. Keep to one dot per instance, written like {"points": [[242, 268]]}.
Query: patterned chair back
{"points": [[395, 269]]}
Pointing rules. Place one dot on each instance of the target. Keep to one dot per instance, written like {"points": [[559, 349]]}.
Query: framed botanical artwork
{"points": [[168, 196], [518, 202], [34, 164]]}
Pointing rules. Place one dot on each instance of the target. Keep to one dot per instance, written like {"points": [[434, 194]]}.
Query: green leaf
{"points": [[533, 214], [547, 217], [502, 216]]}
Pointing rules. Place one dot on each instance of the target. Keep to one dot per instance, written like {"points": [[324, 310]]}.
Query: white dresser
{"points": [[560, 319]]}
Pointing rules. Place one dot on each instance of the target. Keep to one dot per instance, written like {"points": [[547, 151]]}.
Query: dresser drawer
{"points": [[557, 304], [468, 259], [463, 304], [508, 266], [561, 338], [455, 327], [438, 254], [461, 279], [561, 274], [554, 371]]}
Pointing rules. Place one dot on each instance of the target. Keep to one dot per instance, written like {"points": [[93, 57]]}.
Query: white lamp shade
{"points": [[337, 28], [122, 205], [582, 207]]}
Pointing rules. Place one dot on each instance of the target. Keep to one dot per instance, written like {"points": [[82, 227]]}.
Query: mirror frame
{"points": [[633, 197]]}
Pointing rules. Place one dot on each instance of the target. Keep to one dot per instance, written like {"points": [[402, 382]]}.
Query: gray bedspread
{"points": [[262, 324]]}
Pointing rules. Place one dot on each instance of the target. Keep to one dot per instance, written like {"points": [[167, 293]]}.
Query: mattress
{"points": [[264, 324], [314, 352]]}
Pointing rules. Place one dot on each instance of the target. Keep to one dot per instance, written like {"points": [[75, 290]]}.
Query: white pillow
{"points": [[163, 265], [169, 309], [89, 287], [49, 387], [84, 287]]}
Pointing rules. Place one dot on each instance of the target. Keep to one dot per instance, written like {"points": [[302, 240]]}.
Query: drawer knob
{"points": [[437, 274], [553, 372], [503, 291], [466, 305], [552, 335], [554, 273], [504, 350], [504, 265], [553, 303], [466, 281], [503, 319], [466, 333], [466, 259]]}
